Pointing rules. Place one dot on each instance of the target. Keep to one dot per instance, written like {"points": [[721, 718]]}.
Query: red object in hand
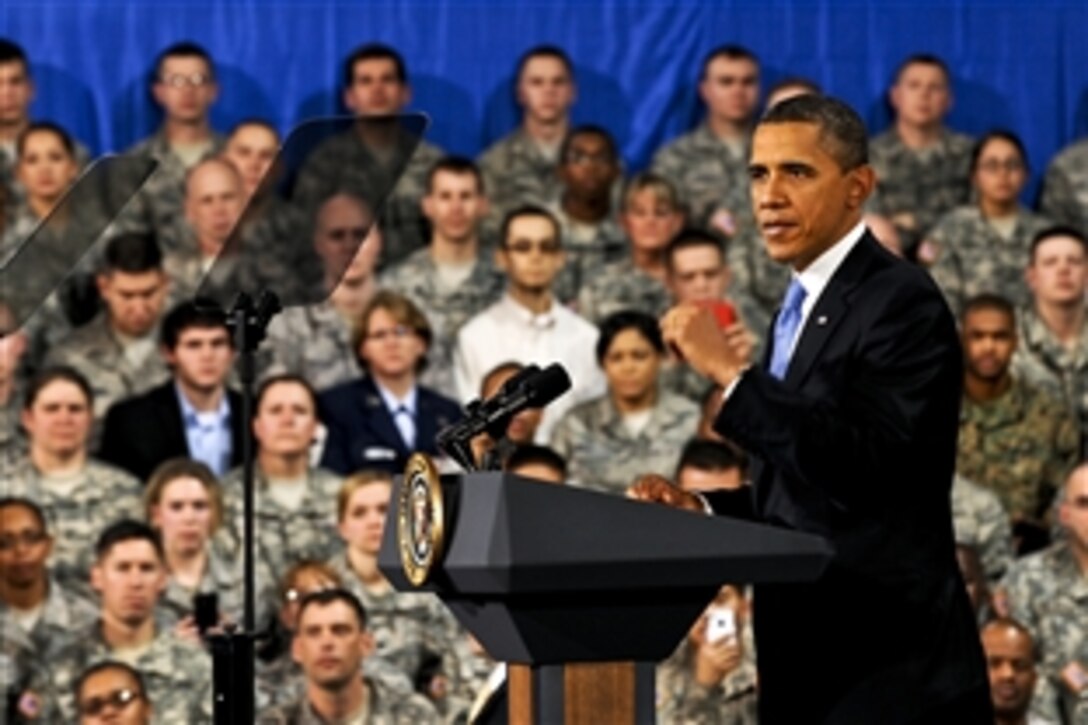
{"points": [[723, 312]]}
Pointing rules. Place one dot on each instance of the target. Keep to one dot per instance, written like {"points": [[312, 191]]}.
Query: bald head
{"points": [[340, 228], [214, 199]]}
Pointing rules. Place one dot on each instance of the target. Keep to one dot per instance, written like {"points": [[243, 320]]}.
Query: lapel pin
{"points": [[821, 320]]}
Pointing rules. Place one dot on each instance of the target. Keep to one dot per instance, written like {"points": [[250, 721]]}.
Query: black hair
{"points": [[732, 51], [56, 129], [989, 301], [540, 455], [31, 506], [183, 49], [52, 374], [374, 51], [692, 237], [924, 59], [12, 52], [588, 129], [127, 530], [839, 124], [1058, 230], [110, 665], [324, 597], [524, 211], [707, 455], [544, 51], [646, 325], [998, 134], [199, 313], [132, 253], [460, 165], [255, 121]]}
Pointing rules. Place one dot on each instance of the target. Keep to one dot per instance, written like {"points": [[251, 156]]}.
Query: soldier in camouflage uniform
{"points": [[1047, 592], [520, 168], [340, 696], [1053, 331], [376, 157], [1065, 188], [79, 495], [706, 683], [922, 168], [117, 352], [184, 87], [128, 575], [455, 276], [980, 521], [13, 347], [1015, 439], [983, 247], [598, 438]]}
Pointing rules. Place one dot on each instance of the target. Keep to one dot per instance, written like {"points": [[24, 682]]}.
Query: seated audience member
{"points": [[1053, 330], [711, 677], [378, 421], [1015, 439], [252, 146], [982, 247], [129, 576], [314, 341], [405, 625], [530, 322], [520, 168], [214, 201], [117, 351], [331, 644], [35, 609], [78, 494], [922, 168], [1011, 663], [13, 348], [453, 278], [537, 462], [184, 86], [589, 166], [184, 504], [635, 427], [294, 502], [885, 232], [707, 465], [978, 590], [981, 522], [790, 87], [1045, 591], [112, 692], [651, 215], [1065, 188], [193, 414], [697, 273], [18, 85], [522, 427]]}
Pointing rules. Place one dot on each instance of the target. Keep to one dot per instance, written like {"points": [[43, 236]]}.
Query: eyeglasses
{"points": [[180, 80], [522, 246], [27, 539], [119, 699], [398, 333], [993, 167]]}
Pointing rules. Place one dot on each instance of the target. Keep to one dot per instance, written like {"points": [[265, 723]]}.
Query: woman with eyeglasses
{"points": [[984, 246], [79, 495], [184, 504], [378, 421], [637, 426], [113, 692]]}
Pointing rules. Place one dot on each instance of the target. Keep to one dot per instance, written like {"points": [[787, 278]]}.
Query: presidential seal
{"points": [[420, 519]]}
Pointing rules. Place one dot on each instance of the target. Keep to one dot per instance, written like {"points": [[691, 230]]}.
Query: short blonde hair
{"points": [[177, 468], [353, 483], [658, 185]]}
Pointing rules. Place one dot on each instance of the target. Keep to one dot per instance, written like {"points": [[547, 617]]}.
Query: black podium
{"points": [[586, 589]]}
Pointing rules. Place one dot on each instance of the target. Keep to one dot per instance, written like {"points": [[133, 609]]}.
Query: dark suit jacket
{"points": [[142, 432], [362, 434], [858, 445]]}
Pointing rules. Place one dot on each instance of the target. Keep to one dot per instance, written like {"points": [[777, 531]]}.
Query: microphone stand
{"points": [[232, 651]]}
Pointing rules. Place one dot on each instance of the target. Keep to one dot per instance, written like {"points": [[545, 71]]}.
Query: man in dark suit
{"points": [[378, 421], [194, 414], [852, 425]]}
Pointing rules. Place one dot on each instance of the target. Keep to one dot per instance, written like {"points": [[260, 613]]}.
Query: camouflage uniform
{"points": [[285, 536], [404, 624], [970, 257], [383, 707], [712, 180], [1021, 446], [222, 575], [1065, 189], [343, 163], [682, 701], [1042, 360], [586, 257], [104, 495], [281, 680], [1048, 594], [12, 439], [62, 612], [315, 342], [95, 352], [159, 205], [18, 227], [925, 184], [621, 286], [979, 520], [177, 675], [757, 283], [602, 454], [517, 172], [417, 278]]}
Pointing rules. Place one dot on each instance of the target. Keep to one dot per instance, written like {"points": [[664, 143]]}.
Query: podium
{"points": [[581, 592]]}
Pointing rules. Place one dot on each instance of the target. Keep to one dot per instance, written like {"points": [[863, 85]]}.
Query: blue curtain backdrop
{"points": [[1021, 65]]}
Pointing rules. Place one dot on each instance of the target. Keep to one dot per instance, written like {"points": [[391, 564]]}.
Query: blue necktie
{"points": [[786, 326]]}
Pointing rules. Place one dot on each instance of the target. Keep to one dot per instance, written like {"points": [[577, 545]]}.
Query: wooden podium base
{"points": [[582, 693]]}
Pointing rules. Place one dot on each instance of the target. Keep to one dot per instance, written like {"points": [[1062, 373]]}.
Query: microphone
{"points": [[530, 388]]}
